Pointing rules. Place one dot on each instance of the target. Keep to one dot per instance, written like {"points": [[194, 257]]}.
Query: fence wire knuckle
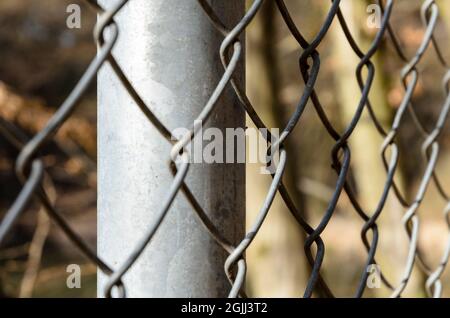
{"points": [[31, 171]]}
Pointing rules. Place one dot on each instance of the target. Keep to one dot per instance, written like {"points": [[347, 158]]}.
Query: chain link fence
{"points": [[30, 168]]}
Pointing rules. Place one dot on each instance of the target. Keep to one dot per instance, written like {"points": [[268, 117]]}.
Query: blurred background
{"points": [[41, 60]]}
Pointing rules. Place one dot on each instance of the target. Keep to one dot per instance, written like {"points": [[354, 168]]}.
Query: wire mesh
{"points": [[30, 168]]}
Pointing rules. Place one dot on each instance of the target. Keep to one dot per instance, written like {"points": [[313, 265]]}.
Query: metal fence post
{"points": [[170, 52]]}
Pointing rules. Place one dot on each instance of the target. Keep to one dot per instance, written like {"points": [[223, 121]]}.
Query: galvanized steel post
{"points": [[170, 52]]}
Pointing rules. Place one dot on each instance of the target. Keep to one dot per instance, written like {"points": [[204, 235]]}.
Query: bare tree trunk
{"points": [[277, 266], [36, 248], [365, 143], [444, 6]]}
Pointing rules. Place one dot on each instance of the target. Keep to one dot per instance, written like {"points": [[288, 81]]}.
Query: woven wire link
{"points": [[30, 169]]}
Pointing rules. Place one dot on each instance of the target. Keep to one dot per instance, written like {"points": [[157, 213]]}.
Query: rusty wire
{"points": [[30, 169]]}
